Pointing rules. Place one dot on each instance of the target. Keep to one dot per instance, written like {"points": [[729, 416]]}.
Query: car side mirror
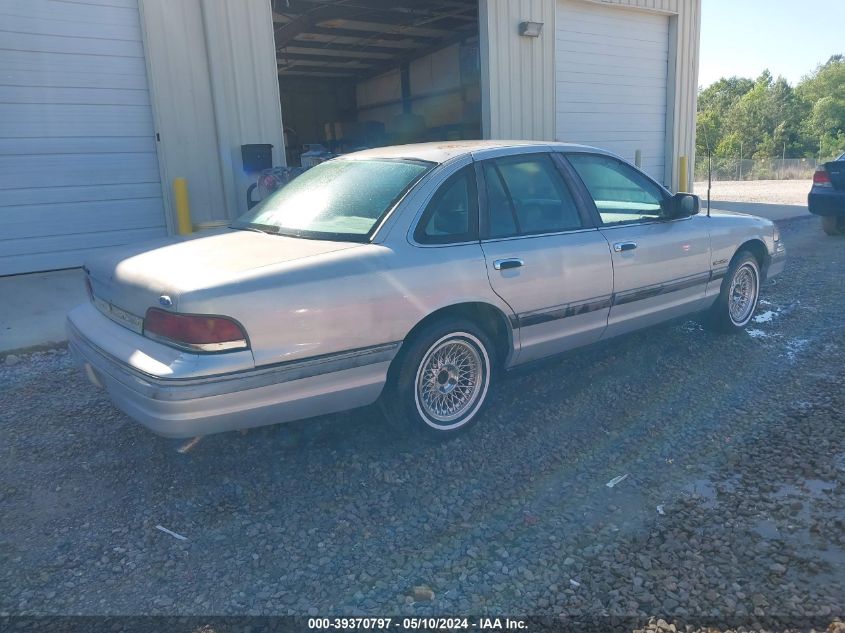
{"points": [[683, 205]]}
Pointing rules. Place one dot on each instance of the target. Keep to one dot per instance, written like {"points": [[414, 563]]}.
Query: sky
{"points": [[789, 37]]}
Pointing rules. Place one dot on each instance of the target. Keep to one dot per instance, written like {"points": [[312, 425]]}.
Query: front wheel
{"points": [[833, 225], [740, 293], [441, 381]]}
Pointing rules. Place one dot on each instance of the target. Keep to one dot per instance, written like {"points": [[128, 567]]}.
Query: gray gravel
{"points": [[739, 441]]}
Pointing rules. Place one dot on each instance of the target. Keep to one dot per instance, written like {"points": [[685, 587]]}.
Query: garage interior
{"points": [[367, 73]]}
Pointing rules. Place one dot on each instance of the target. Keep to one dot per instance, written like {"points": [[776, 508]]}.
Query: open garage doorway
{"points": [[366, 73]]}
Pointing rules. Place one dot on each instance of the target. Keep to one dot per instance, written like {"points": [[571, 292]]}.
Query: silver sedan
{"points": [[410, 276]]}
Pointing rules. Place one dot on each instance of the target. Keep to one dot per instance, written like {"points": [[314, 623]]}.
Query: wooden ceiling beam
{"points": [[382, 27], [329, 36], [399, 60], [322, 51], [320, 63], [320, 74]]}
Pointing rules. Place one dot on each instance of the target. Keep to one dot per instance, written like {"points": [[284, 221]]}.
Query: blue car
{"points": [[827, 197]]}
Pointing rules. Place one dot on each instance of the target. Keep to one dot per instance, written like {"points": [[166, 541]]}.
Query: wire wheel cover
{"points": [[451, 379], [743, 294]]}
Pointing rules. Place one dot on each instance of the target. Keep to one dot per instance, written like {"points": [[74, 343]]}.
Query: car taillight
{"points": [[196, 332], [822, 179]]}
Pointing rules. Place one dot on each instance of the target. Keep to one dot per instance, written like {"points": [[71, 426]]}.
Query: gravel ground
{"points": [[790, 192], [733, 502]]}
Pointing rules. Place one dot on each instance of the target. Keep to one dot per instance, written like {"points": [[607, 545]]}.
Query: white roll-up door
{"points": [[78, 165], [611, 69]]}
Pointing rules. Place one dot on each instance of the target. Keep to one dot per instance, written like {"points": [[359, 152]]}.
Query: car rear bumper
{"points": [[826, 202], [201, 405]]}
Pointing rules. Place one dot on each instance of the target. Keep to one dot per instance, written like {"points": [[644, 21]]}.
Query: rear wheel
{"points": [[441, 381], [833, 224], [740, 293]]}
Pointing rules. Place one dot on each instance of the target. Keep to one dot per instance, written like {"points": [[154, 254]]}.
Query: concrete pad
{"points": [[760, 191], [33, 307], [770, 211]]}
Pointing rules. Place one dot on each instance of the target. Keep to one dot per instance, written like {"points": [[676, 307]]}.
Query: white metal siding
{"points": [[245, 87], [78, 165], [684, 43], [517, 73], [212, 68], [611, 80], [667, 6]]}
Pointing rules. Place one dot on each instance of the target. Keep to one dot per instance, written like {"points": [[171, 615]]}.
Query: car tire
{"points": [[440, 382], [739, 295], [833, 225]]}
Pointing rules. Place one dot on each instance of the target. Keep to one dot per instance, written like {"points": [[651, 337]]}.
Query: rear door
{"points": [[544, 254], [661, 266]]}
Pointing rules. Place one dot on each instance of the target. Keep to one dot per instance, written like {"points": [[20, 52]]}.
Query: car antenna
{"points": [[709, 176], [709, 168]]}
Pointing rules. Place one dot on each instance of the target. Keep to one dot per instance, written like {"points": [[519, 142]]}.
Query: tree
{"points": [[767, 118], [713, 103], [824, 92], [761, 118]]}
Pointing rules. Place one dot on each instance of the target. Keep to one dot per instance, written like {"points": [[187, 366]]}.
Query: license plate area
{"points": [[119, 315]]}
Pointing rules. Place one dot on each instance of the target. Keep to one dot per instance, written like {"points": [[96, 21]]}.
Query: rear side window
{"points": [[621, 193], [526, 195], [452, 215]]}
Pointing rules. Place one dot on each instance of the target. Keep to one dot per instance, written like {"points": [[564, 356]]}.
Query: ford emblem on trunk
{"points": [[165, 301]]}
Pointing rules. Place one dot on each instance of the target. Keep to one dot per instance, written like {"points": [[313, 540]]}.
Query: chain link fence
{"points": [[761, 169]]}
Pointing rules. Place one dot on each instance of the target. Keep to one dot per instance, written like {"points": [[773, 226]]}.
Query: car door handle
{"points": [[507, 264], [621, 247]]}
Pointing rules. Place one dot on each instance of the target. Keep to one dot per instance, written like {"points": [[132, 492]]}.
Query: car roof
{"points": [[443, 151]]}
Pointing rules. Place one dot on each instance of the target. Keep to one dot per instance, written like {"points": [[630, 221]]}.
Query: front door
{"points": [[544, 256], [661, 267]]}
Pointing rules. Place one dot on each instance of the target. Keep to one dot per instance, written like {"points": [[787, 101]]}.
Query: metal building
{"points": [[104, 102]]}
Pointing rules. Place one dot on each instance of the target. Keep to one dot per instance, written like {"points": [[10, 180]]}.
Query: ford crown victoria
{"points": [[410, 276]]}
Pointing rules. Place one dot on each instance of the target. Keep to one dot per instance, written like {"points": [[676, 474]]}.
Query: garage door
{"points": [[611, 72], [78, 166]]}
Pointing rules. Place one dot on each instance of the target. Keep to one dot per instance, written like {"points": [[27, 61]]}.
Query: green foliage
{"points": [[761, 118]]}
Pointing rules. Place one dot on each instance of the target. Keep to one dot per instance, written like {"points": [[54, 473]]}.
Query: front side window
{"points": [[526, 195], [621, 193], [338, 200], [452, 215]]}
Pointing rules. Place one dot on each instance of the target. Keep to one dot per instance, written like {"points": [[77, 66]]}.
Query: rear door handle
{"points": [[507, 264], [621, 247]]}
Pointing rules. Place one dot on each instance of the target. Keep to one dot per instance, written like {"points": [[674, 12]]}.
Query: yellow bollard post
{"points": [[683, 177], [183, 207]]}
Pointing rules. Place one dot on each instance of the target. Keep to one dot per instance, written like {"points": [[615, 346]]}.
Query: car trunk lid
{"points": [[134, 278]]}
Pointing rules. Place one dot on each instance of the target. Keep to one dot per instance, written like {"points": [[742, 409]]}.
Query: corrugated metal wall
{"points": [[245, 87], [183, 115], [519, 73], [212, 68], [685, 30]]}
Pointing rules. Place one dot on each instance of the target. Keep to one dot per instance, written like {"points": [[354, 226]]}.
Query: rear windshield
{"points": [[337, 200]]}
